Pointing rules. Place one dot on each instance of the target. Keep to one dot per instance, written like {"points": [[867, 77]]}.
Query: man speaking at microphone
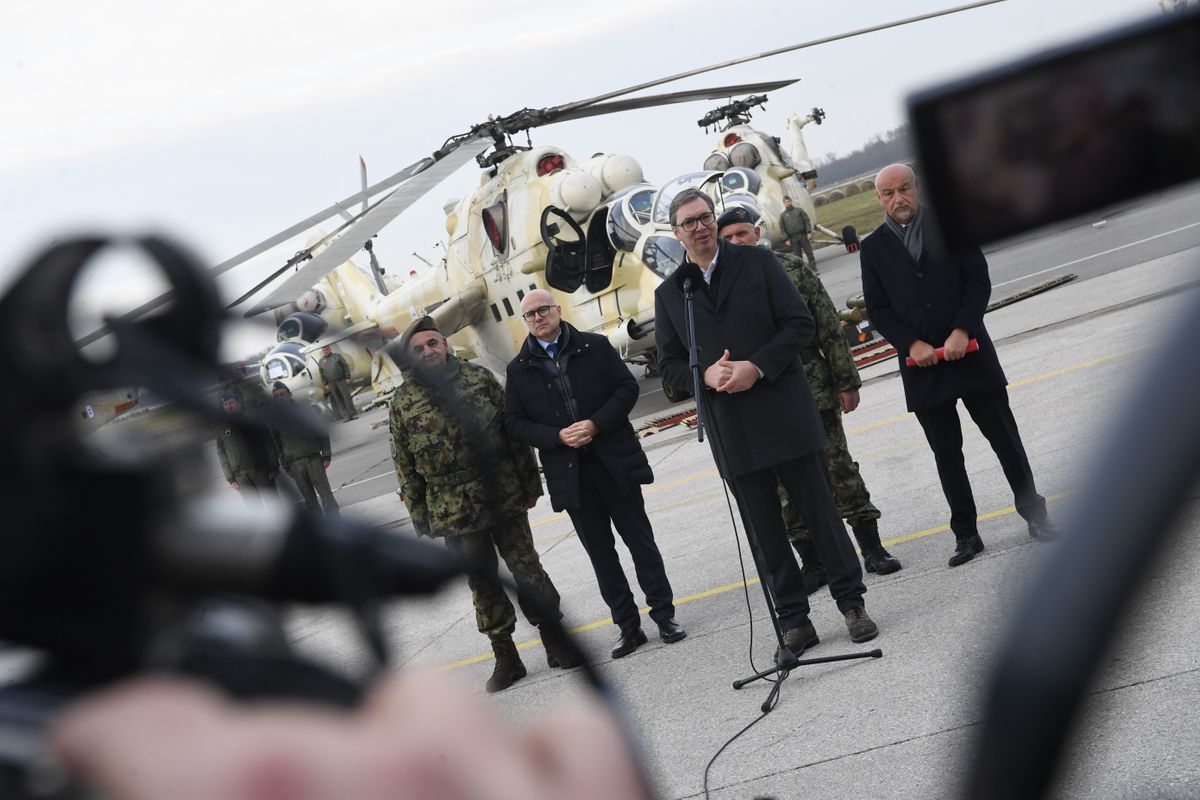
{"points": [[921, 298], [751, 325]]}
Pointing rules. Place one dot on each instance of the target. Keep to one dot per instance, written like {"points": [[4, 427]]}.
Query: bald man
{"points": [[569, 395], [922, 298]]}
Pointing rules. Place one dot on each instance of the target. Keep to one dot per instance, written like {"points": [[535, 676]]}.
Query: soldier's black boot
{"points": [[559, 652], [875, 558], [509, 668], [811, 568]]}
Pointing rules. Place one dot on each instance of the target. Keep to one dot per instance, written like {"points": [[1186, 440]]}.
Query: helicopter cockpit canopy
{"points": [[663, 253], [662, 203], [306, 327], [285, 361], [741, 179], [628, 213]]}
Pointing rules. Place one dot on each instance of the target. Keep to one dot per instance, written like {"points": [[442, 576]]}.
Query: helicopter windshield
{"points": [[277, 369], [740, 179], [627, 215], [663, 254], [662, 204]]}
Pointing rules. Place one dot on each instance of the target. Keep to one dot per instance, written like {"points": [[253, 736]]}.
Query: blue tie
{"points": [[552, 350]]}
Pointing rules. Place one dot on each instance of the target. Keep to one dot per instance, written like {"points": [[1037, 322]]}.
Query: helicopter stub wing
{"points": [[669, 98], [366, 225]]}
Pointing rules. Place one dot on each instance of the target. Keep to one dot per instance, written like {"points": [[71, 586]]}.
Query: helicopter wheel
{"points": [[675, 395]]}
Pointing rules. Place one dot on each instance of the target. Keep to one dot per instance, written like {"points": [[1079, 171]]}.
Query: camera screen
{"points": [[1063, 133]]}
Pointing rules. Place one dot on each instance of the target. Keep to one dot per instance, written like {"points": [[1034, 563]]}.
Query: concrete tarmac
{"points": [[901, 726]]}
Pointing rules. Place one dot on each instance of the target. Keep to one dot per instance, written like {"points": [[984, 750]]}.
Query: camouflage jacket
{"points": [[293, 446], [333, 367], [449, 443], [827, 359], [794, 222], [243, 450]]}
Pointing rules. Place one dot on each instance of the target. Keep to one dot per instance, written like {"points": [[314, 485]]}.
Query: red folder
{"points": [[972, 346]]}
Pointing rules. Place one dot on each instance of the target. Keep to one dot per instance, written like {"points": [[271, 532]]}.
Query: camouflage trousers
{"points": [[494, 612], [849, 492]]}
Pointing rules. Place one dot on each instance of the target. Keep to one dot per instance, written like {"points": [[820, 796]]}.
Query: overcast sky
{"points": [[223, 122]]}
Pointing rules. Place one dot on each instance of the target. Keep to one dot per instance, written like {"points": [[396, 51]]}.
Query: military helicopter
{"points": [[593, 232]]}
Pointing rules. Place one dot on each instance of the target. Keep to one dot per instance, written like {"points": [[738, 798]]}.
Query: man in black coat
{"points": [[751, 325], [569, 395], [921, 298]]}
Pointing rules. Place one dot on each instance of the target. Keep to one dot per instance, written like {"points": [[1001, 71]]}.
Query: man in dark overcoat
{"points": [[922, 298], [751, 325], [569, 395]]}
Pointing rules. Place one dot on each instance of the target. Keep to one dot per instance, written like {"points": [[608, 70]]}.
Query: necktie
{"points": [[552, 350]]}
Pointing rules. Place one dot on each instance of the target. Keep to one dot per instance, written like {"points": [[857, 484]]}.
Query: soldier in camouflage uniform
{"points": [[834, 380], [305, 458], [246, 454], [465, 480], [335, 373]]}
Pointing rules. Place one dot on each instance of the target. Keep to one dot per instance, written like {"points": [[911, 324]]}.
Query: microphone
{"points": [[688, 277]]}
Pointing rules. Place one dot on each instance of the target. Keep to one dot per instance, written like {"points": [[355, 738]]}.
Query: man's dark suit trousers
{"points": [[992, 414], [601, 500]]}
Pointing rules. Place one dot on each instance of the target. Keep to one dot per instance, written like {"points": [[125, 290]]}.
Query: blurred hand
{"points": [[416, 736]]}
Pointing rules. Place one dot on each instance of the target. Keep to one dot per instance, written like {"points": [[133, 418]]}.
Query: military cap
{"points": [[418, 326], [737, 214], [280, 385], [232, 393], [785, 197]]}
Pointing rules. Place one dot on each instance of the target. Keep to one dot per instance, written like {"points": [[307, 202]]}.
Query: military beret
{"points": [[418, 326], [737, 214]]}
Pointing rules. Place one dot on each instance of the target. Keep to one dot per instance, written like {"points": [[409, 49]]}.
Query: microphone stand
{"points": [[785, 659], [694, 354]]}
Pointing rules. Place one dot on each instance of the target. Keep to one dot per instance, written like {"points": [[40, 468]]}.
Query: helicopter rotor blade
{"points": [[671, 97], [369, 223], [362, 172], [778, 51]]}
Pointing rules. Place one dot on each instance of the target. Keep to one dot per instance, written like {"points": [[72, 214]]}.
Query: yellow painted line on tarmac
{"points": [[730, 587], [1018, 384], [1081, 365]]}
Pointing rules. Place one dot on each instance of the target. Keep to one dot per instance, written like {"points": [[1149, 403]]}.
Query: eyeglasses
{"points": [[690, 223], [540, 311]]}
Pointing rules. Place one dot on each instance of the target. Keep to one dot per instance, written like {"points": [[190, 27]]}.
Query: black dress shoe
{"points": [[1043, 530], [630, 640], [967, 549], [671, 631]]}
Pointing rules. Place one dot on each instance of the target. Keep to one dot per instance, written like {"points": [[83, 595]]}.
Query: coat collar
{"points": [[728, 267], [890, 240]]}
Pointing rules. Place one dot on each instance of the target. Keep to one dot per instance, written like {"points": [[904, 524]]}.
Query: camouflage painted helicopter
{"points": [[593, 232]]}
